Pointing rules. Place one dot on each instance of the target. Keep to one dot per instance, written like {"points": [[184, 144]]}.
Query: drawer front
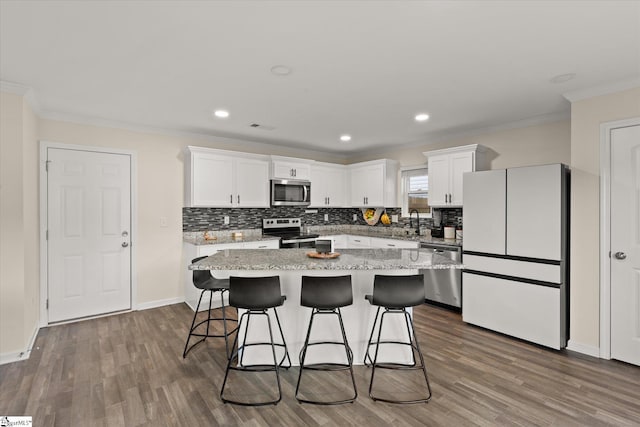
{"points": [[508, 267], [522, 310]]}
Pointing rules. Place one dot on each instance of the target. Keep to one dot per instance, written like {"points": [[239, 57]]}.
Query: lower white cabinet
{"points": [[377, 242], [350, 241], [358, 242], [191, 293]]}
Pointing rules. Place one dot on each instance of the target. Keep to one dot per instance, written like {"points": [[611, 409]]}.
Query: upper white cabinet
{"points": [[374, 183], [218, 178], [328, 185], [290, 168], [446, 167]]}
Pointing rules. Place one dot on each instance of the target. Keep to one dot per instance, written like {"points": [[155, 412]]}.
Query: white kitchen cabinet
{"points": [[446, 168], [377, 242], [374, 183], [264, 244], [328, 185], [191, 251], [358, 242], [290, 168], [218, 178]]}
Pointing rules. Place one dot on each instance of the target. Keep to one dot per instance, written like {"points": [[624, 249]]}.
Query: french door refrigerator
{"points": [[515, 248]]}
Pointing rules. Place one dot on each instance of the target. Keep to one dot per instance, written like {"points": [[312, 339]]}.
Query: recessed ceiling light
{"points": [[280, 70], [345, 138], [221, 114], [561, 78], [422, 117]]}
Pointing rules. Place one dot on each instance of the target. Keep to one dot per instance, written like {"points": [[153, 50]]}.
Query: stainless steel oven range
{"points": [[290, 232]]}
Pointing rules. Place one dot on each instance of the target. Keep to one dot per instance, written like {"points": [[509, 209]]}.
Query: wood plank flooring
{"points": [[128, 370]]}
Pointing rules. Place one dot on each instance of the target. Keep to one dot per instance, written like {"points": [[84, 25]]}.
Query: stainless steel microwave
{"points": [[290, 192]]}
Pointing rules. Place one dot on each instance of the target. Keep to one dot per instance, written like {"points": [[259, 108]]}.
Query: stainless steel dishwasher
{"points": [[444, 285]]}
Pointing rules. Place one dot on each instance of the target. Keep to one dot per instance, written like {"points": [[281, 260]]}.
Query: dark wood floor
{"points": [[128, 370]]}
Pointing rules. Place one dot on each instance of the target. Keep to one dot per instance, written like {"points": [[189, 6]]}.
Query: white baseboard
{"points": [[159, 303], [589, 350], [20, 355]]}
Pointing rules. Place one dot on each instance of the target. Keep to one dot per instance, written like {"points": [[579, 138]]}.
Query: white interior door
{"points": [[89, 230], [625, 244]]}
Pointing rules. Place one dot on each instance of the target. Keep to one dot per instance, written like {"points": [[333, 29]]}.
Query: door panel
{"points": [[460, 163], [88, 221], [534, 211], [625, 239], [485, 211]]}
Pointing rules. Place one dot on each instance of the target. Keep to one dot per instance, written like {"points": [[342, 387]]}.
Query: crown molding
{"points": [[25, 91], [605, 89]]}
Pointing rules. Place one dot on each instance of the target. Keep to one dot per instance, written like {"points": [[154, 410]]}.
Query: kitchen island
{"points": [[292, 264]]}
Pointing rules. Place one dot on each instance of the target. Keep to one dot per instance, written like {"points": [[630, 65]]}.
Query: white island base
{"points": [[358, 320]]}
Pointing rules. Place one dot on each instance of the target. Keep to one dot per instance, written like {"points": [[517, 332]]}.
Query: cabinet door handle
{"points": [[231, 198], [295, 173], [238, 199], [389, 244], [328, 200], [262, 247]]}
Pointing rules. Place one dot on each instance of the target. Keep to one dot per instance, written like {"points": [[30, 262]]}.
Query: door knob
{"points": [[125, 244], [620, 255]]}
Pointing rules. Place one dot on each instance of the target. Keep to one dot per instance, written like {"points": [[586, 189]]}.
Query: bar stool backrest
{"points": [[255, 292], [398, 291], [326, 292], [200, 276]]}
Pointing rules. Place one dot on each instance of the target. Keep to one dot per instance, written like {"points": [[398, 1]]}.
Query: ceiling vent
{"points": [[259, 126]]}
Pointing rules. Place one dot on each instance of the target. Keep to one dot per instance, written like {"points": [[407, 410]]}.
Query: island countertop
{"points": [[349, 259]]}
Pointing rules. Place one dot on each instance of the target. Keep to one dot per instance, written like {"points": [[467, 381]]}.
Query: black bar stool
{"points": [[256, 295], [325, 295], [395, 294], [202, 279]]}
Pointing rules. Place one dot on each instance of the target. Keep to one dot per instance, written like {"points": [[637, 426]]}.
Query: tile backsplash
{"points": [[203, 219]]}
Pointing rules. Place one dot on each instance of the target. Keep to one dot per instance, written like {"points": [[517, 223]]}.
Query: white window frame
{"points": [[404, 188]]}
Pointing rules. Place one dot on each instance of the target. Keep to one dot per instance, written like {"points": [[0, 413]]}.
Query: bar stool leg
{"points": [[193, 322], [373, 328], [335, 367], [284, 343], [234, 355], [413, 343], [424, 368]]}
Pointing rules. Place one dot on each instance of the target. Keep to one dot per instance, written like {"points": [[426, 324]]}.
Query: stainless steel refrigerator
{"points": [[515, 250]]}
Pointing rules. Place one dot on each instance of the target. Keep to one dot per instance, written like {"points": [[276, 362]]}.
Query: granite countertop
{"points": [[197, 238], [397, 235], [255, 235], [349, 259]]}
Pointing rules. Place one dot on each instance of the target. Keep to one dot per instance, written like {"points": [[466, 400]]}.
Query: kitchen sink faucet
{"points": [[417, 220]]}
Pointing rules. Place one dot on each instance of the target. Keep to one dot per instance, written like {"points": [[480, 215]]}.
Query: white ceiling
{"points": [[358, 67]]}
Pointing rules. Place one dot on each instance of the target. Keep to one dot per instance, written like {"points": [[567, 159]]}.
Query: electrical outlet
{"points": [[394, 218], [326, 217], [164, 222], [226, 219], [355, 217]]}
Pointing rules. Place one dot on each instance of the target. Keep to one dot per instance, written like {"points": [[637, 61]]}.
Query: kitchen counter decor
{"points": [[371, 216], [323, 255]]}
